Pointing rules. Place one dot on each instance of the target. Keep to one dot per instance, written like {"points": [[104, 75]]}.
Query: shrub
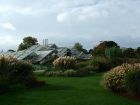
{"points": [[7, 65], [70, 73], [65, 62], [113, 52], [23, 73], [133, 81], [86, 71], [82, 64], [13, 71], [115, 78], [101, 64], [114, 62]]}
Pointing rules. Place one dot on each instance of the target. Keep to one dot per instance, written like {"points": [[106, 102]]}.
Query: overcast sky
{"points": [[65, 22]]}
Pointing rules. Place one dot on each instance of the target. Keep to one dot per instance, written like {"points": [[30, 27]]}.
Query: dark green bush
{"points": [[82, 64], [23, 72], [86, 70], [101, 64], [86, 66], [133, 81], [116, 62]]}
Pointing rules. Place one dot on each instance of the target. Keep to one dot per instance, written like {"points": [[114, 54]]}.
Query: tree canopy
{"points": [[129, 52], [27, 42], [138, 50], [78, 46], [100, 49]]}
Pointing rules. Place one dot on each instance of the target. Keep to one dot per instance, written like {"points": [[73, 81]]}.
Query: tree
{"points": [[100, 49], [27, 42], [129, 52], [90, 51], [113, 52], [138, 50], [79, 47], [10, 50]]}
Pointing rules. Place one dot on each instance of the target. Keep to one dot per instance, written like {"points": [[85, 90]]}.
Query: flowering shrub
{"points": [[115, 78], [65, 62]]}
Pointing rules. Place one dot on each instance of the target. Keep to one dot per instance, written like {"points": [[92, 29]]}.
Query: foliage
{"points": [[116, 62], [99, 50], [85, 67], [90, 51], [10, 50], [70, 73], [85, 71], [129, 53], [23, 73], [96, 64], [101, 64], [65, 62], [27, 42], [7, 67], [113, 52], [15, 72], [115, 78], [79, 47], [138, 51], [133, 81], [82, 64], [54, 73]]}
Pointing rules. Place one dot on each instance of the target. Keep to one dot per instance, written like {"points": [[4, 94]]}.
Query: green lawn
{"points": [[66, 91]]}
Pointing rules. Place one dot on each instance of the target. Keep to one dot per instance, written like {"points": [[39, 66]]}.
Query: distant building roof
{"points": [[39, 52], [42, 54]]}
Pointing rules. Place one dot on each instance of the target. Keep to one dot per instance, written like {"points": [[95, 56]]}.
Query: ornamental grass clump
{"points": [[7, 66], [115, 78], [64, 63], [13, 71]]}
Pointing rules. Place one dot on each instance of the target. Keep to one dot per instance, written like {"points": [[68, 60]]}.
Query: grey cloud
{"points": [[65, 22]]}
